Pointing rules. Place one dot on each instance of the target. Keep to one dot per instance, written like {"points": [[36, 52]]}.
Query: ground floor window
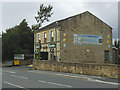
{"points": [[52, 54], [43, 55], [107, 56]]}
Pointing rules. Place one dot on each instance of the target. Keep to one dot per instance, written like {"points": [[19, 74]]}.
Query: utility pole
{"points": [[56, 38], [39, 48]]}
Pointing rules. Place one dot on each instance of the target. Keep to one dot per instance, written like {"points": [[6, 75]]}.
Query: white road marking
{"points": [[12, 84], [98, 77], [82, 76], [31, 71], [8, 71], [107, 82], [54, 83], [71, 76], [19, 76], [90, 79], [67, 86], [103, 81], [42, 81]]}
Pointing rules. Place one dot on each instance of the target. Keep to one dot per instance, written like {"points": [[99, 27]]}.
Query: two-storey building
{"points": [[80, 38]]}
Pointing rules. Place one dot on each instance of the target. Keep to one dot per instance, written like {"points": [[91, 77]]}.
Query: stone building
{"points": [[82, 38], [115, 55]]}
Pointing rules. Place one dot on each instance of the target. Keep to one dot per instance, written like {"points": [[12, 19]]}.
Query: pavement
{"points": [[24, 77]]}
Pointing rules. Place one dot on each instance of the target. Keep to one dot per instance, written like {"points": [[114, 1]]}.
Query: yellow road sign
{"points": [[16, 62]]}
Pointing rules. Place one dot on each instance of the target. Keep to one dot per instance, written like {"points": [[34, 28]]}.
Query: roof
{"points": [[57, 23]]}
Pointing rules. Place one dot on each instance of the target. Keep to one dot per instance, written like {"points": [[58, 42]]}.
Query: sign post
{"points": [[39, 48], [17, 58]]}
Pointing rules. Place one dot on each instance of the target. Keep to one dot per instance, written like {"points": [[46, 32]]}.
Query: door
{"points": [[44, 55]]}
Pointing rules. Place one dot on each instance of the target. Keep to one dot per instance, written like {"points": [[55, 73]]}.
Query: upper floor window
{"points": [[52, 36], [38, 37], [45, 37]]}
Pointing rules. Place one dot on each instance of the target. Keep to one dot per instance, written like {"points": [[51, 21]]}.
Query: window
{"points": [[107, 56], [51, 36], [38, 37], [45, 37]]}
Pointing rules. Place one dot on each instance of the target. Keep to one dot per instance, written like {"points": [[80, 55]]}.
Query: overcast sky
{"points": [[14, 12]]}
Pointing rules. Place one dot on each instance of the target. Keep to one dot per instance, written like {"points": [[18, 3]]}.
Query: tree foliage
{"points": [[42, 15], [117, 45], [18, 39]]}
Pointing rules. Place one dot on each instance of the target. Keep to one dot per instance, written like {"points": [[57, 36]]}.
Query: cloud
{"points": [[14, 12]]}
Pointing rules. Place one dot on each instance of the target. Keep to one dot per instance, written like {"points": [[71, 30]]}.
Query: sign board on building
{"points": [[37, 46], [52, 45], [36, 52], [19, 56], [109, 46], [64, 45], [84, 39]]}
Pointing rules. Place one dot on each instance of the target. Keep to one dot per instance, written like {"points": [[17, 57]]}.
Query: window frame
{"points": [[51, 36], [45, 37], [39, 37]]}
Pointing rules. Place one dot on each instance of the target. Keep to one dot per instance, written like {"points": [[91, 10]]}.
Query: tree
{"points": [[43, 14], [119, 47], [115, 43], [18, 39]]}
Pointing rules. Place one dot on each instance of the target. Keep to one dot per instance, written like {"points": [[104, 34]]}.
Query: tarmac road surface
{"points": [[23, 77]]}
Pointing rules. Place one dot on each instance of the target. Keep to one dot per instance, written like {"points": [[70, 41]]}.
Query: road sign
{"points": [[16, 62], [9, 63], [19, 56]]}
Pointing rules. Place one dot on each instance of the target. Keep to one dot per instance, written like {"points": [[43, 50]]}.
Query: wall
{"points": [[26, 62], [85, 23], [22, 62], [108, 70]]}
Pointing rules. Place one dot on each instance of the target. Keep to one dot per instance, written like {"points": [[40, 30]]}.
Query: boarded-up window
{"points": [[107, 56]]}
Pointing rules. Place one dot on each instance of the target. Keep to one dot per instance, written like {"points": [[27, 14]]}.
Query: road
{"points": [[23, 77]]}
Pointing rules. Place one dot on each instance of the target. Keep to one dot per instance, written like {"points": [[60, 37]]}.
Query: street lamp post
{"points": [[39, 48]]}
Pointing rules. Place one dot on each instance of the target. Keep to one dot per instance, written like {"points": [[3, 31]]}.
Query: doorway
{"points": [[43, 55]]}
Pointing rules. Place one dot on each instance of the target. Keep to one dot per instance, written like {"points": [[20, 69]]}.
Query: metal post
{"points": [[34, 46], [60, 44], [56, 38], [39, 48]]}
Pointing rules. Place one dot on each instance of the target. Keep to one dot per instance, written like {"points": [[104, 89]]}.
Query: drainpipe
{"points": [[56, 38], [61, 29], [34, 44], [60, 44]]}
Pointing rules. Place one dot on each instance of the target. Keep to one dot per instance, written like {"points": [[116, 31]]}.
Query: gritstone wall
{"points": [[108, 70]]}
